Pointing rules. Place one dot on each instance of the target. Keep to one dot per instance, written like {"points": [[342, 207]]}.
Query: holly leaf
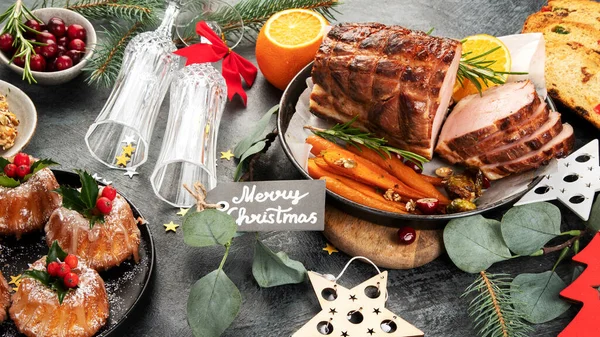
{"points": [[58, 285], [55, 253], [71, 198], [8, 182], [40, 275], [3, 163], [594, 220], [275, 269], [475, 243], [208, 228], [528, 228], [213, 304], [89, 189], [536, 296], [40, 165], [254, 149], [256, 134]]}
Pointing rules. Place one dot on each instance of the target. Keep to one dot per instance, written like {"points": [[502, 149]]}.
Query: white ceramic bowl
{"points": [[22, 106], [63, 76]]}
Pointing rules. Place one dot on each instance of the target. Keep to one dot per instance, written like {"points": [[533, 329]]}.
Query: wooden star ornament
{"points": [[359, 311], [227, 155], [171, 227], [330, 249]]}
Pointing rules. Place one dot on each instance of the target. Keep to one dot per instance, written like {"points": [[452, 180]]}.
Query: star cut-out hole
{"points": [[353, 298], [376, 311], [345, 334], [370, 332], [332, 311]]}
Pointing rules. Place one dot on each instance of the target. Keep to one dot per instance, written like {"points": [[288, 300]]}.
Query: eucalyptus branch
{"points": [[568, 243], [227, 247]]}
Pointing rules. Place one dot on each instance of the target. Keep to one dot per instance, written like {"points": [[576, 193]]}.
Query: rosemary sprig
{"points": [[355, 136], [15, 17], [492, 307], [476, 69]]}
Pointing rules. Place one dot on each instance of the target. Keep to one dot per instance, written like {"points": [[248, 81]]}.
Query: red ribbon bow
{"points": [[233, 64]]}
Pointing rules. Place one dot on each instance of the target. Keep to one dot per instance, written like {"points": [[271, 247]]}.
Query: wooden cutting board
{"points": [[357, 237]]}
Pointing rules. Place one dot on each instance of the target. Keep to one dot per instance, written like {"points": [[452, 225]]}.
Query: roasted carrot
{"points": [[394, 166], [435, 181], [350, 193], [320, 144], [350, 165]]}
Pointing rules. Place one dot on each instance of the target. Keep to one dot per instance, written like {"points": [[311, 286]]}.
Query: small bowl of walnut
{"points": [[18, 119]]}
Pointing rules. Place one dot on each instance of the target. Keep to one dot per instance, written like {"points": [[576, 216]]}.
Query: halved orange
{"points": [[288, 42]]}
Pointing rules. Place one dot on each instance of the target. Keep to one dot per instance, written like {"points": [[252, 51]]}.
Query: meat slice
{"points": [[520, 148], [395, 81], [477, 117], [4, 298], [559, 146]]}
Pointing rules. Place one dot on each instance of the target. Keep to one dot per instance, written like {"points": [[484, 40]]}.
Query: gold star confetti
{"points": [[16, 280], [227, 155], [171, 227], [183, 211], [15, 289], [122, 160], [128, 150], [207, 128], [330, 249]]}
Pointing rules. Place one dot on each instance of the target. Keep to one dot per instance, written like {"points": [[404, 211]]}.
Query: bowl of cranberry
{"points": [[65, 42]]}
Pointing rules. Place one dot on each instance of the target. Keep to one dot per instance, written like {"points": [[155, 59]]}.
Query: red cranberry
{"points": [[77, 44], [33, 24], [62, 41], [597, 109], [53, 268], [21, 159], [72, 261], [61, 51], [74, 55], [37, 49], [50, 65], [76, 31], [6, 42], [37, 63], [428, 205], [485, 183], [399, 156], [57, 27], [104, 205], [45, 36], [109, 192], [50, 50], [63, 62], [19, 61], [71, 280], [407, 235], [413, 166], [10, 170], [63, 269]]}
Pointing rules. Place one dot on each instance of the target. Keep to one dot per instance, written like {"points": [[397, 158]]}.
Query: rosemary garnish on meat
{"points": [[355, 136], [476, 69]]}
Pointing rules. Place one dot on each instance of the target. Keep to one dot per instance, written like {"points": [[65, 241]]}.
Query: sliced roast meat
{"points": [[477, 117], [397, 82], [522, 147], [559, 146]]}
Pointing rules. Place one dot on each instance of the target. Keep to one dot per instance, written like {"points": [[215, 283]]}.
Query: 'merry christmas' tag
{"points": [[283, 205]]}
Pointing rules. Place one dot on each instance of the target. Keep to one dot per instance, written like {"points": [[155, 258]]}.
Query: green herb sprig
{"points": [[6, 181], [354, 136], [55, 254], [15, 17], [83, 201]]}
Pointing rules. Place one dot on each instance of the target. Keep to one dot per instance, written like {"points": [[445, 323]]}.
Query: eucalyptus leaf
{"points": [[594, 220], [274, 269], [256, 133], [254, 149], [528, 228], [8, 182], [89, 189], [475, 243], [536, 296], [208, 228], [213, 304]]}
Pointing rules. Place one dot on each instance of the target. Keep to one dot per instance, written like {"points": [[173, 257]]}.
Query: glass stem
{"points": [[167, 23]]}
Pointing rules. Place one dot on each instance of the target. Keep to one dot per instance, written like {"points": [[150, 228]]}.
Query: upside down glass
{"points": [[188, 153], [129, 115]]}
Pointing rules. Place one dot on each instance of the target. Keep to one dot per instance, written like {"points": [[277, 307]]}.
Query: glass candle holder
{"points": [[129, 115], [188, 153]]}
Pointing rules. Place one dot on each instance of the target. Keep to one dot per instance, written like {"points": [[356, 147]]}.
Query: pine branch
{"points": [[492, 307], [130, 10]]}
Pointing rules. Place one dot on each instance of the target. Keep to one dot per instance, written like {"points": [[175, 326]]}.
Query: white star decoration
{"points": [[574, 184], [359, 311], [106, 182], [97, 177], [130, 173], [129, 140]]}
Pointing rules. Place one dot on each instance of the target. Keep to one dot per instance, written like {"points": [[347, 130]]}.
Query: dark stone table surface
{"points": [[428, 296]]}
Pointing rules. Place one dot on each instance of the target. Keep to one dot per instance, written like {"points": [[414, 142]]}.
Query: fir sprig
{"points": [[492, 307], [354, 136]]}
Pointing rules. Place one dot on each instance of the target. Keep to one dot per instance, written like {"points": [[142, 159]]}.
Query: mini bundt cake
{"points": [[4, 298], [37, 312], [104, 246], [27, 207]]}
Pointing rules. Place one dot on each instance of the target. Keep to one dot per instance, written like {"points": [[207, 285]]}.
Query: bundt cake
{"points": [[4, 298]]}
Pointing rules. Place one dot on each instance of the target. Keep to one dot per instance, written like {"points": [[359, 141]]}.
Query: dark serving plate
{"points": [[125, 284], [287, 108]]}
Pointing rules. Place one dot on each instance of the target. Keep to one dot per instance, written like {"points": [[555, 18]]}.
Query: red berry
{"points": [[546, 9], [33, 24], [413, 166], [76, 31], [6, 42], [37, 49], [104, 205], [61, 51], [597, 109], [53, 268], [71, 280], [407, 235], [50, 65], [37, 63], [50, 50], [109, 192], [72, 261], [77, 44], [74, 55], [19, 61], [45, 36], [21, 159], [23, 170], [399, 156], [63, 269], [57, 27], [485, 183], [63, 62], [10, 170], [63, 41], [428, 205]]}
